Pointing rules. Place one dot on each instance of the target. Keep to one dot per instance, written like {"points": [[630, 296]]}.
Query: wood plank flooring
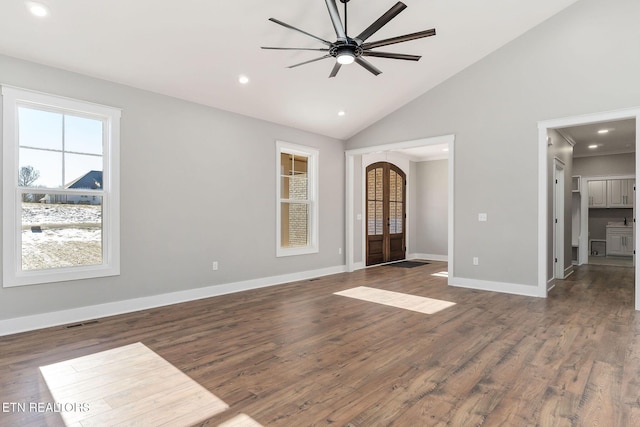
{"points": [[298, 355]]}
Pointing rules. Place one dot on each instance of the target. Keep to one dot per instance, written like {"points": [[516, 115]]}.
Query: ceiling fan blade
{"points": [[295, 48], [368, 65], [307, 62], [391, 55], [381, 22], [335, 19], [335, 70], [291, 27], [400, 39]]}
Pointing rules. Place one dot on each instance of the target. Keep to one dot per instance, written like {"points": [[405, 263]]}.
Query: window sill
{"points": [[284, 252]]}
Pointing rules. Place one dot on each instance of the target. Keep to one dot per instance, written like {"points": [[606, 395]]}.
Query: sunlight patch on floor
{"points": [[240, 420], [128, 385], [397, 299], [441, 274]]}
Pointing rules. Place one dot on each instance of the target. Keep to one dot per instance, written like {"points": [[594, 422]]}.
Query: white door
{"points": [[558, 219]]}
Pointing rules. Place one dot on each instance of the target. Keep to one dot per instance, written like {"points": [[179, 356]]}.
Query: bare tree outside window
{"points": [[26, 177]]}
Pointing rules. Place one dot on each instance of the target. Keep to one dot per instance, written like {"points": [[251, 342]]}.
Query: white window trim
{"points": [[313, 173], [11, 269]]}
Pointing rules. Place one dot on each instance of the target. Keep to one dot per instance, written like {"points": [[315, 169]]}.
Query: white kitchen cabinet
{"points": [[620, 193], [597, 193], [619, 240]]}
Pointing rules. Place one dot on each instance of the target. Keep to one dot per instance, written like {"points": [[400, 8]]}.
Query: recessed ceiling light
{"points": [[601, 131], [445, 149], [341, 113], [243, 79], [37, 9], [593, 146]]}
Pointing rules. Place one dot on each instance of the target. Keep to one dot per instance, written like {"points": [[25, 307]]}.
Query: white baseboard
{"points": [[359, 265], [486, 285], [568, 271], [551, 283], [429, 257], [75, 315]]}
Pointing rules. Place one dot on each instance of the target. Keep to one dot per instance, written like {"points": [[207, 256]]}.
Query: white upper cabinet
{"points": [[611, 193], [597, 194], [620, 193]]}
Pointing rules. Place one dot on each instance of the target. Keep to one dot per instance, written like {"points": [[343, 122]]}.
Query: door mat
{"points": [[408, 264]]}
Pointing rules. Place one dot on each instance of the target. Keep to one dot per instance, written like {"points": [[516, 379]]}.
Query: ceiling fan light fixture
{"points": [[345, 57]]}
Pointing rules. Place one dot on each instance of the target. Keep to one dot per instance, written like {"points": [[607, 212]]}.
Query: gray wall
{"points": [[430, 181], [615, 164], [556, 70], [198, 185]]}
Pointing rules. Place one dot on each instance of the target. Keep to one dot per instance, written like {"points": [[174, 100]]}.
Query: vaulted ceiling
{"points": [[196, 50]]}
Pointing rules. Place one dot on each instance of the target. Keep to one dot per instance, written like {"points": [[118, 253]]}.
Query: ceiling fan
{"points": [[347, 49]]}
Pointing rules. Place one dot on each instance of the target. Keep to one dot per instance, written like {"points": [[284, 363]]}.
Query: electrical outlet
{"points": [[339, 251], [214, 265], [476, 261], [482, 217]]}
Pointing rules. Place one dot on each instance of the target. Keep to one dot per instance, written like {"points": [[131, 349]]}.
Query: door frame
{"points": [[543, 164], [350, 220]]}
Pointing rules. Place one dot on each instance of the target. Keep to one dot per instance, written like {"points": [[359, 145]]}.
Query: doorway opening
{"points": [[585, 174], [356, 223]]}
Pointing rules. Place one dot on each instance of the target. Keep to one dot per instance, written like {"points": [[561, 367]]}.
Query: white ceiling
{"points": [[620, 138], [195, 50]]}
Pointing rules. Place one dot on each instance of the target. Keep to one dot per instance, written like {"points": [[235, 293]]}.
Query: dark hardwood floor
{"points": [[297, 355]]}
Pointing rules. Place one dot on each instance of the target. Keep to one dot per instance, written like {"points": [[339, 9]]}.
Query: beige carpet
{"points": [[397, 299], [129, 385]]}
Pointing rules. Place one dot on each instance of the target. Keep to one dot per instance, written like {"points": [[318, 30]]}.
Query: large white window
{"points": [[297, 199], [60, 188]]}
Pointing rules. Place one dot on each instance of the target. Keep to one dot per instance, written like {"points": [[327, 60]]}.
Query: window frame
{"points": [[12, 273], [313, 162]]}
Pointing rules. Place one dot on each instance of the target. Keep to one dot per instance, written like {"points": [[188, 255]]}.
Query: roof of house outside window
{"points": [[90, 180]]}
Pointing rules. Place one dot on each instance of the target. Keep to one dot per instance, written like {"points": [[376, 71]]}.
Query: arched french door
{"points": [[386, 213]]}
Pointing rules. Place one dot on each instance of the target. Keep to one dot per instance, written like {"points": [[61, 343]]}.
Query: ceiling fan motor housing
{"points": [[349, 47]]}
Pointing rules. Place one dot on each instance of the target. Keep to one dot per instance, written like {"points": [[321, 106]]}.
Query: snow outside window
{"points": [[297, 199], [60, 188]]}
